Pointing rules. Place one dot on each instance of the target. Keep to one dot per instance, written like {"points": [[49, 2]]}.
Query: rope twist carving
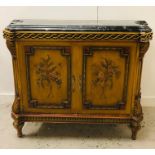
{"points": [[144, 37]]}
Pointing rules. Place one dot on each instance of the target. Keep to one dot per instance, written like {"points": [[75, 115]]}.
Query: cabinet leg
{"points": [[135, 126], [18, 125]]}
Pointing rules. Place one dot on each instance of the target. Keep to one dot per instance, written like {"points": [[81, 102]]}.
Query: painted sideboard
{"points": [[77, 71]]}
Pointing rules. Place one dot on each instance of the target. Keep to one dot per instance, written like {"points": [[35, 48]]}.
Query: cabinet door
{"points": [[106, 78], [47, 72]]}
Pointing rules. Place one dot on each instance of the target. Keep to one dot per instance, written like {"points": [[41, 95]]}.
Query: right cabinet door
{"points": [[108, 78]]}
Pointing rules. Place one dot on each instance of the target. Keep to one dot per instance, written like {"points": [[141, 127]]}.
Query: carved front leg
{"points": [[135, 126], [18, 125], [137, 117]]}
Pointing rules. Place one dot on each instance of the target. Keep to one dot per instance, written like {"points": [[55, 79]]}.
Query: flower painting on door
{"points": [[103, 74], [48, 73]]}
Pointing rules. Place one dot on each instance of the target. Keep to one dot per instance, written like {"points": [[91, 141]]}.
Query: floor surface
{"points": [[38, 135]]}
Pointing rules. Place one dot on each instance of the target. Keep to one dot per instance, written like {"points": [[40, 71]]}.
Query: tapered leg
{"points": [[18, 125], [135, 126]]}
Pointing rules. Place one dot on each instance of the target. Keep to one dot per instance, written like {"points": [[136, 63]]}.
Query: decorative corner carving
{"points": [[12, 48], [16, 105], [137, 111], [144, 46], [10, 42], [145, 36], [8, 35]]}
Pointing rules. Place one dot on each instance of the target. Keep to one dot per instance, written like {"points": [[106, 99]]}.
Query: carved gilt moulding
{"points": [[77, 36], [71, 118]]}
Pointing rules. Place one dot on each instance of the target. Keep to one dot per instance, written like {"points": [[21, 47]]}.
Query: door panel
{"points": [[48, 76], [72, 77], [105, 77]]}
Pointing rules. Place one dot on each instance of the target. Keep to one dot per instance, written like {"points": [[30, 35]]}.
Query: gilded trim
{"points": [[85, 120], [77, 36]]}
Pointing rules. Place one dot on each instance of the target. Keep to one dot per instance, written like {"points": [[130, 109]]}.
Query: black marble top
{"points": [[79, 25]]}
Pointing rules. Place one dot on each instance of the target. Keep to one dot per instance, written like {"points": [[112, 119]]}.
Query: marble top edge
{"points": [[79, 25]]}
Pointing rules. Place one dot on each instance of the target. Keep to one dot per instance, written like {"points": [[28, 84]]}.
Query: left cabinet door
{"points": [[45, 73]]}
